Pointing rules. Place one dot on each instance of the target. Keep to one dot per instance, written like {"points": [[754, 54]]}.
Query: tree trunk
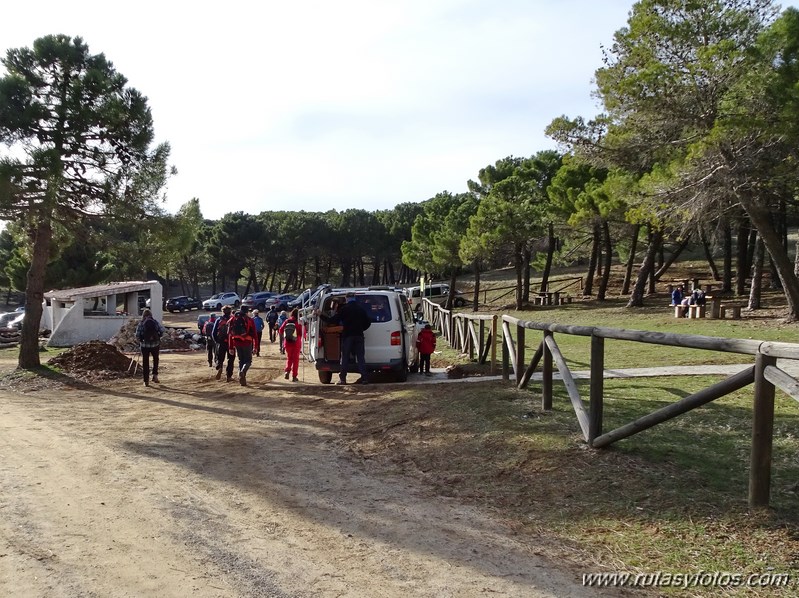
{"points": [[755, 290], [608, 255], [714, 271], [476, 297], [741, 259], [726, 279], [527, 257], [588, 289], [551, 244], [34, 296], [628, 274], [518, 265], [773, 242], [647, 268], [672, 258]]}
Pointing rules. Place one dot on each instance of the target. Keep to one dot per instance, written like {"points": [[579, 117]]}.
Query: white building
{"points": [[97, 313]]}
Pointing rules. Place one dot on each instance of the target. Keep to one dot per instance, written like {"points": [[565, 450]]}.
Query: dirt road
{"points": [[195, 487]]}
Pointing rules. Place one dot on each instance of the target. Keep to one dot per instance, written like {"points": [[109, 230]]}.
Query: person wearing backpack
{"points": [[220, 336], [355, 320], [281, 319], [208, 334], [291, 333], [148, 333], [271, 320], [242, 336], [259, 327]]}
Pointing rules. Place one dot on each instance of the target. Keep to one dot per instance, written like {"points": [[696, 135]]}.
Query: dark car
{"points": [[280, 302], [182, 303], [257, 300]]}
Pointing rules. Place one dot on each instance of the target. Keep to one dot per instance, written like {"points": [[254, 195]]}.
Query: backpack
{"points": [[150, 332], [290, 331], [237, 326], [221, 330], [208, 328]]}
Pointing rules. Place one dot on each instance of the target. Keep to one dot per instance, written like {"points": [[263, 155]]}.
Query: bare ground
{"points": [[195, 487]]}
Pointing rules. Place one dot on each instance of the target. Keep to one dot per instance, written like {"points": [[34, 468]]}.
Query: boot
{"points": [[229, 378], [243, 379], [219, 374], [295, 379], [155, 379], [286, 377]]}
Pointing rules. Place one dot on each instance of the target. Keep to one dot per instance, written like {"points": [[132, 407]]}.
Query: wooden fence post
{"points": [[762, 434], [546, 376], [505, 358], [519, 352], [493, 345], [597, 388]]}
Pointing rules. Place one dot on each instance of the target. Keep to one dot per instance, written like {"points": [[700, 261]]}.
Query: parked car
{"points": [[437, 293], [280, 302], [8, 317], [389, 343], [221, 299], [307, 297], [257, 300], [182, 303], [16, 322]]}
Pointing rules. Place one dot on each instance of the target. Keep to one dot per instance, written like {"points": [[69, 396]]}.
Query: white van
{"points": [[437, 293], [389, 343]]}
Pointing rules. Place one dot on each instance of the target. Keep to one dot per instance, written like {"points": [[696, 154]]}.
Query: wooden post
{"points": [[505, 357], [546, 376], [519, 351], [597, 388], [481, 339], [493, 345], [762, 434]]}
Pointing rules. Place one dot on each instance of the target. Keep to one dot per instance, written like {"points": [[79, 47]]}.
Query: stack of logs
{"points": [[9, 337]]}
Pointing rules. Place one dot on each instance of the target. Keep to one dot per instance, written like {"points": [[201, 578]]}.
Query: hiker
{"points": [[355, 321], [698, 297], [281, 319], [291, 337], [242, 337], [148, 333], [210, 345], [259, 328], [426, 343], [220, 335], [271, 320], [676, 296]]}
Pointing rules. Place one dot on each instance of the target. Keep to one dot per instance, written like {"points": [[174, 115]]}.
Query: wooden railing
{"points": [[764, 374], [465, 332]]}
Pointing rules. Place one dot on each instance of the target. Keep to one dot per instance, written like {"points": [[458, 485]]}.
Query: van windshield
{"points": [[377, 306]]}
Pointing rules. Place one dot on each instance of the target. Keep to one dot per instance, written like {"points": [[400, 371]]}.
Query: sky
{"points": [[320, 105]]}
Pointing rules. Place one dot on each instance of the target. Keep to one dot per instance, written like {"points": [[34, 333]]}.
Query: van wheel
{"points": [[460, 301], [325, 377], [402, 372], [415, 366]]}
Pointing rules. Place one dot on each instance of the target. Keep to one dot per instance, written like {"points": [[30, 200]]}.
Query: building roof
{"points": [[100, 290]]}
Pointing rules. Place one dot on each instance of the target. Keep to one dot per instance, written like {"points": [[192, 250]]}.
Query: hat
{"points": [[244, 309], [227, 309], [255, 312], [212, 317]]}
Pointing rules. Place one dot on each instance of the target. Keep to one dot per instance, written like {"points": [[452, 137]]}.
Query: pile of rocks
{"points": [[173, 339]]}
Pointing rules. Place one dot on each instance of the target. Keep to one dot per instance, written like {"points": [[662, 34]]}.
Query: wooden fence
{"points": [[763, 374], [466, 332]]}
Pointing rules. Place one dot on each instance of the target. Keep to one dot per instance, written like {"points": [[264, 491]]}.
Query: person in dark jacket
{"points": [[222, 350], [210, 345], [426, 343], [271, 322], [148, 333], [355, 321]]}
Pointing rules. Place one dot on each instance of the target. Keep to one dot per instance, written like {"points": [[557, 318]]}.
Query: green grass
{"points": [[671, 498]]}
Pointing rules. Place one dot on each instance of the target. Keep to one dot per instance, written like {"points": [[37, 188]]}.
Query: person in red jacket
{"points": [[291, 333], [426, 343], [242, 338]]}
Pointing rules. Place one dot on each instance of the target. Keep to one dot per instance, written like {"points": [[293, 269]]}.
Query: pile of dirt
{"points": [[175, 339], [95, 360]]}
